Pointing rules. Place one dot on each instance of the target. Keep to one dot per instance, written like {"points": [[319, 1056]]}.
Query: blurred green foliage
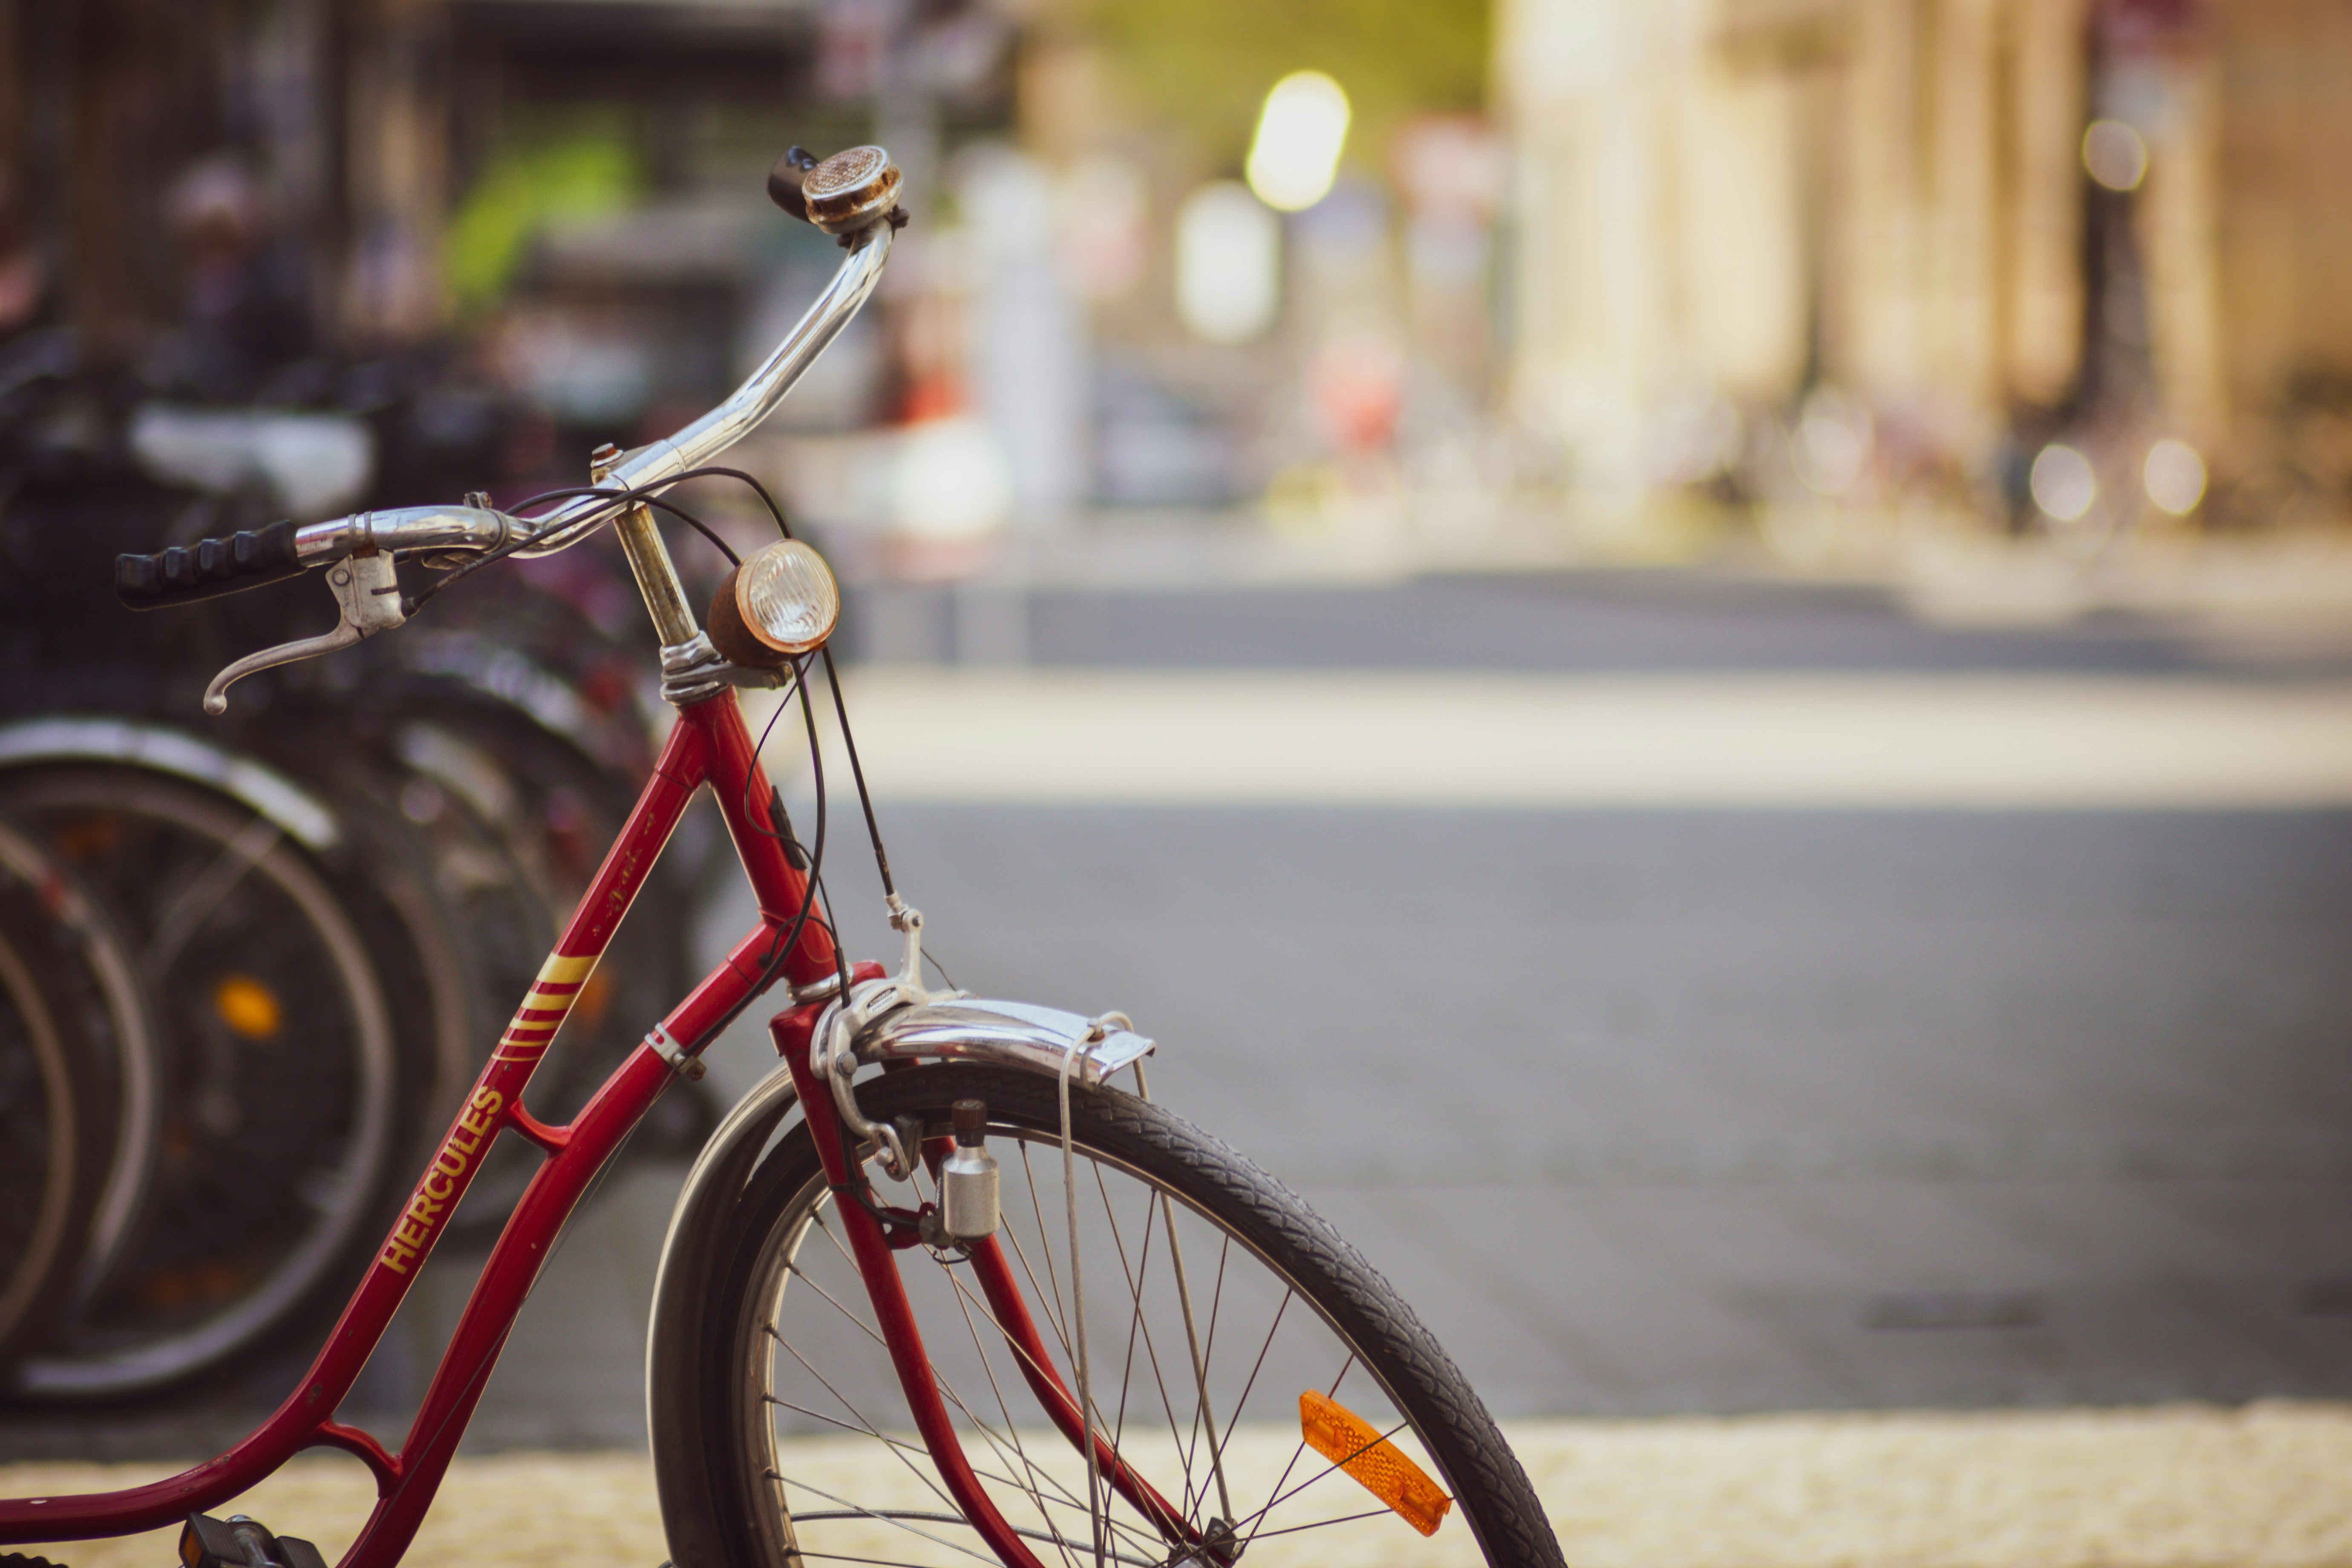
{"points": [[1207, 64], [578, 174]]}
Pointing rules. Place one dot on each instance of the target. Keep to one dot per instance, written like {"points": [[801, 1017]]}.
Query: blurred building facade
{"points": [[1729, 207], [531, 223], [357, 128], [106, 106], [1855, 254], [558, 198]]}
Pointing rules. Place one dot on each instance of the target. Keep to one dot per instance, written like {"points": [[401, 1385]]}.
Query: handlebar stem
{"points": [[649, 562]]}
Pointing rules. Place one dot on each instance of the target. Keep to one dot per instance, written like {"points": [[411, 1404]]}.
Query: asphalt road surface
{"points": [[1730, 1106]]}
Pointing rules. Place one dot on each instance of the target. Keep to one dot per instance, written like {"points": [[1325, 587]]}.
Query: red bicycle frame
{"points": [[708, 745]]}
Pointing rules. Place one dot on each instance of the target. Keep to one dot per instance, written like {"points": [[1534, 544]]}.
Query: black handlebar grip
{"points": [[206, 569], [784, 181]]}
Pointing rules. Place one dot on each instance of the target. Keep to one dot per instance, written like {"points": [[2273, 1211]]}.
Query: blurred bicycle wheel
{"points": [[281, 1076], [63, 1149], [90, 962]]}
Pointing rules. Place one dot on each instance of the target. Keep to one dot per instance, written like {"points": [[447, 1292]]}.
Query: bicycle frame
{"points": [[707, 745]]}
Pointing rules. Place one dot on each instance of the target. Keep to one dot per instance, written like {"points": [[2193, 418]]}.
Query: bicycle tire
{"points": [[274, 1165], [779, 1325]]}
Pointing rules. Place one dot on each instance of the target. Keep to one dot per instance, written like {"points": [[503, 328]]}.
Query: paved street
{"points": [[1740, 1101], [1630, 621], [1726, 1110]]}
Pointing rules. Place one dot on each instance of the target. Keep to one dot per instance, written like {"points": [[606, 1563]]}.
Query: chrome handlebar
{"points": [[459, 530], [469, 529]]}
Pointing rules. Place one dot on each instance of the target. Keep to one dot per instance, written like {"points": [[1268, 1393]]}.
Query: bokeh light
{"points": [[949, 481], [2175, 476], [1300, 133], [2063, 482], [2116, 155], [1228, 264]]}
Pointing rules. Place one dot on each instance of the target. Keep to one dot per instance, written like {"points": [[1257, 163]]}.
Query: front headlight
{"points": [[782, 602]]}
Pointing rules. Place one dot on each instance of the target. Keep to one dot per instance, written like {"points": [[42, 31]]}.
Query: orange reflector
{"points": [[248, 1006], [1354, 1444]]}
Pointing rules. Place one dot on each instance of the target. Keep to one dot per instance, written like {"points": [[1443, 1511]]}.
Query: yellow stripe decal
{"points": [[561, 969], [552, 992]]}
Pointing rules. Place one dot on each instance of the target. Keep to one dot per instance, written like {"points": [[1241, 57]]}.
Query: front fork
{"points": [[893, 1314], [872, 1249]]}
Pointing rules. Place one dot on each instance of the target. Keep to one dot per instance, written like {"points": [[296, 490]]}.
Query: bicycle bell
{"points": [[851, 190]]}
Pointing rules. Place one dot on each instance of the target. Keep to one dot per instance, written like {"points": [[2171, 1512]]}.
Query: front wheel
{"points": [[1220, 1314]]}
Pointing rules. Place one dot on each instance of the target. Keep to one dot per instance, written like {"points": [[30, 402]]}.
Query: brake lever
{"points": [[367, 596]]}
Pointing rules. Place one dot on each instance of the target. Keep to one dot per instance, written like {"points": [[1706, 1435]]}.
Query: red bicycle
{"points": [[1103, 1335]]}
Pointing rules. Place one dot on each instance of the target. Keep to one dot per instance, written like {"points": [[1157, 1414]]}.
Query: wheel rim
{"points": [[280, 1069], [36, 1140], [822, 1418], [104, 955]]}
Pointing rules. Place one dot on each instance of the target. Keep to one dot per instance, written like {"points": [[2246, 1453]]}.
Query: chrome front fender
{"points": [[1012, 1033]]}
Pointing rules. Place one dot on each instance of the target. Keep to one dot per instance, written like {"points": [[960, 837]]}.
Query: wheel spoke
{"points": [[898, 1514], [1006, 1445], [996, 1442], [782, 1480], [966, 1301], [865, 1423], [1319, 1524], [1279, 1497], [1264, 1345], [870, 1332], [902, 1450], [1135, 1314], [1140, 1323], [1227, 1291], [1204, 1415], [205, 891], [1012, 1431], [980, 1305], [1298, 1450], [1056, 1315]]}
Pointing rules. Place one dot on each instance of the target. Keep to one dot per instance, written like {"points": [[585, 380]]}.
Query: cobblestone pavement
{"points": [[2176, 1488]]}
